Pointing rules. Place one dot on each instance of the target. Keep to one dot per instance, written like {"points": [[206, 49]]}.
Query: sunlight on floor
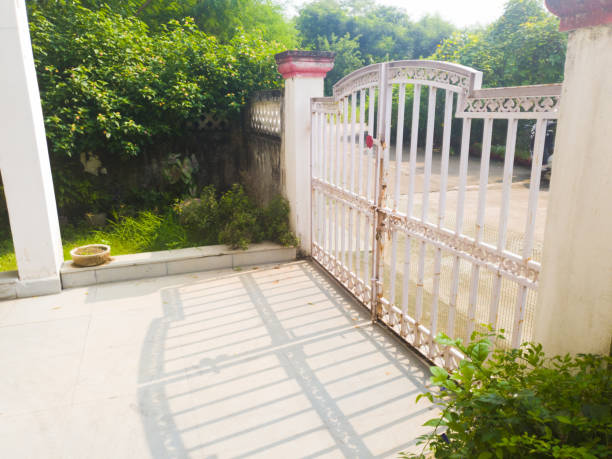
{"points": [[273, 361]]}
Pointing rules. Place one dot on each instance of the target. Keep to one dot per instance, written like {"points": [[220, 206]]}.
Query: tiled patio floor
{"points": [[272, 362]]}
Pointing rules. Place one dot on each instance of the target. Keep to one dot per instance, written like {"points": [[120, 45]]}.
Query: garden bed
{"points": [[230, 218]]}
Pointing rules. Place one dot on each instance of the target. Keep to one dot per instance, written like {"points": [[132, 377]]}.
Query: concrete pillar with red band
{"points": [[304, 73], [577, 14], [575, 301]]}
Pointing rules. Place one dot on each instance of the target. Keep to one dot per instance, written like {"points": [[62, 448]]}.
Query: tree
{"points": [[522, 47], [221, 18], [113, 88], [382, 33], [348, 57]]}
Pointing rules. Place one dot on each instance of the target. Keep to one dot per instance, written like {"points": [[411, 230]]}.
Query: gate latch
{"points": [[371, 141]]}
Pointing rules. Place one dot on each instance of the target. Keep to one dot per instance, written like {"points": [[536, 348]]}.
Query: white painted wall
{"points": [[24, 160], [575, 300], [296, 152]]}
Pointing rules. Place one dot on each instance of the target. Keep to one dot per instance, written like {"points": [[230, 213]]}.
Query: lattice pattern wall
{"points": [[212, 122], [265, 116], [263, 174]]}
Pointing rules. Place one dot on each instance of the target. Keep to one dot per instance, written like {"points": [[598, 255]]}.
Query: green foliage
{"points": [[519, 403], [275, 222], [362, 33], [348, 57], [126, 234], [110, 86], [200, 216], [8, 261], [524, 46], [181, 170], [222, 18], [240, 220], [233, 219], [144, 232], [113, 87]]}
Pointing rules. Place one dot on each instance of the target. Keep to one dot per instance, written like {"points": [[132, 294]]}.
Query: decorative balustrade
{"points": [[265, 113]]}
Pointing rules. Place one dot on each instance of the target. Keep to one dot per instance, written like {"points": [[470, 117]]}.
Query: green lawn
{"points": [[233, 220], [143, 233]]}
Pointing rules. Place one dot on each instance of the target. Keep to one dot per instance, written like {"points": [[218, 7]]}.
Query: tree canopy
{"points": [[524, 46], [222, 18], [362, 33]]}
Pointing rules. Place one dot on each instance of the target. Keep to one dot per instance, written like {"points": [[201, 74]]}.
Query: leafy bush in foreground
{"points": [[519, 403]]}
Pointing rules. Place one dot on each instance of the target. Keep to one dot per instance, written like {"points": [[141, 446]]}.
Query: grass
{"points": [[145, 232], [233, 220], [8, 261]]}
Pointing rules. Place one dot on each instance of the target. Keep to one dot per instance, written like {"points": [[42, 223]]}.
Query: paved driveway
{"points": [[274, 361]]}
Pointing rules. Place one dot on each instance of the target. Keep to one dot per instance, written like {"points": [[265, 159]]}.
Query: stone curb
{"points": [[169, 262]]}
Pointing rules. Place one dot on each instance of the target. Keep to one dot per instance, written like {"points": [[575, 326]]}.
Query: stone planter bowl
{"points": [[90, 255]]}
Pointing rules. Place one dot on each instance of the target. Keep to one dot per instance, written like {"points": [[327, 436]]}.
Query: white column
{"points": [[574, 312], [304, 72], [24, 160]]}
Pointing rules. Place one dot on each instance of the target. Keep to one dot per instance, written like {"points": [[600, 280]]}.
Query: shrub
{"points": [[240, 219], [234, 219], [519, 403], [200, 216], [276, 222], [498, 151]]}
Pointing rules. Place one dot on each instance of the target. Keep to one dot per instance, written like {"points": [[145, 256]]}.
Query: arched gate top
{"points": [[444, 75]]}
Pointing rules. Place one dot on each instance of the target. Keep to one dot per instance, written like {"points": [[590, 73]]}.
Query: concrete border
{"points": [[12, 287], [169, 262]]}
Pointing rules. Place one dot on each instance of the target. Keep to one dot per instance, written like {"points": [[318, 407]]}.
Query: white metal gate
{"points": [[413, 238]]}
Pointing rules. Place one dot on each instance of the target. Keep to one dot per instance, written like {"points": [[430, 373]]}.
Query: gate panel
{"points": [[430, 240], [343, 181]]}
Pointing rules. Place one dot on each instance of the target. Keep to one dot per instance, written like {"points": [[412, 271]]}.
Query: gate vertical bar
{"points": [[343, 184], [503, 215], [431, 115], [351, 263], [463, 167], [414, 139], [368, 191], [480, 216], [528, 242], [337, 207], [360, 184], [399, 145], [379, 196], [313, 193], [448, 113], [322, 176]]}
